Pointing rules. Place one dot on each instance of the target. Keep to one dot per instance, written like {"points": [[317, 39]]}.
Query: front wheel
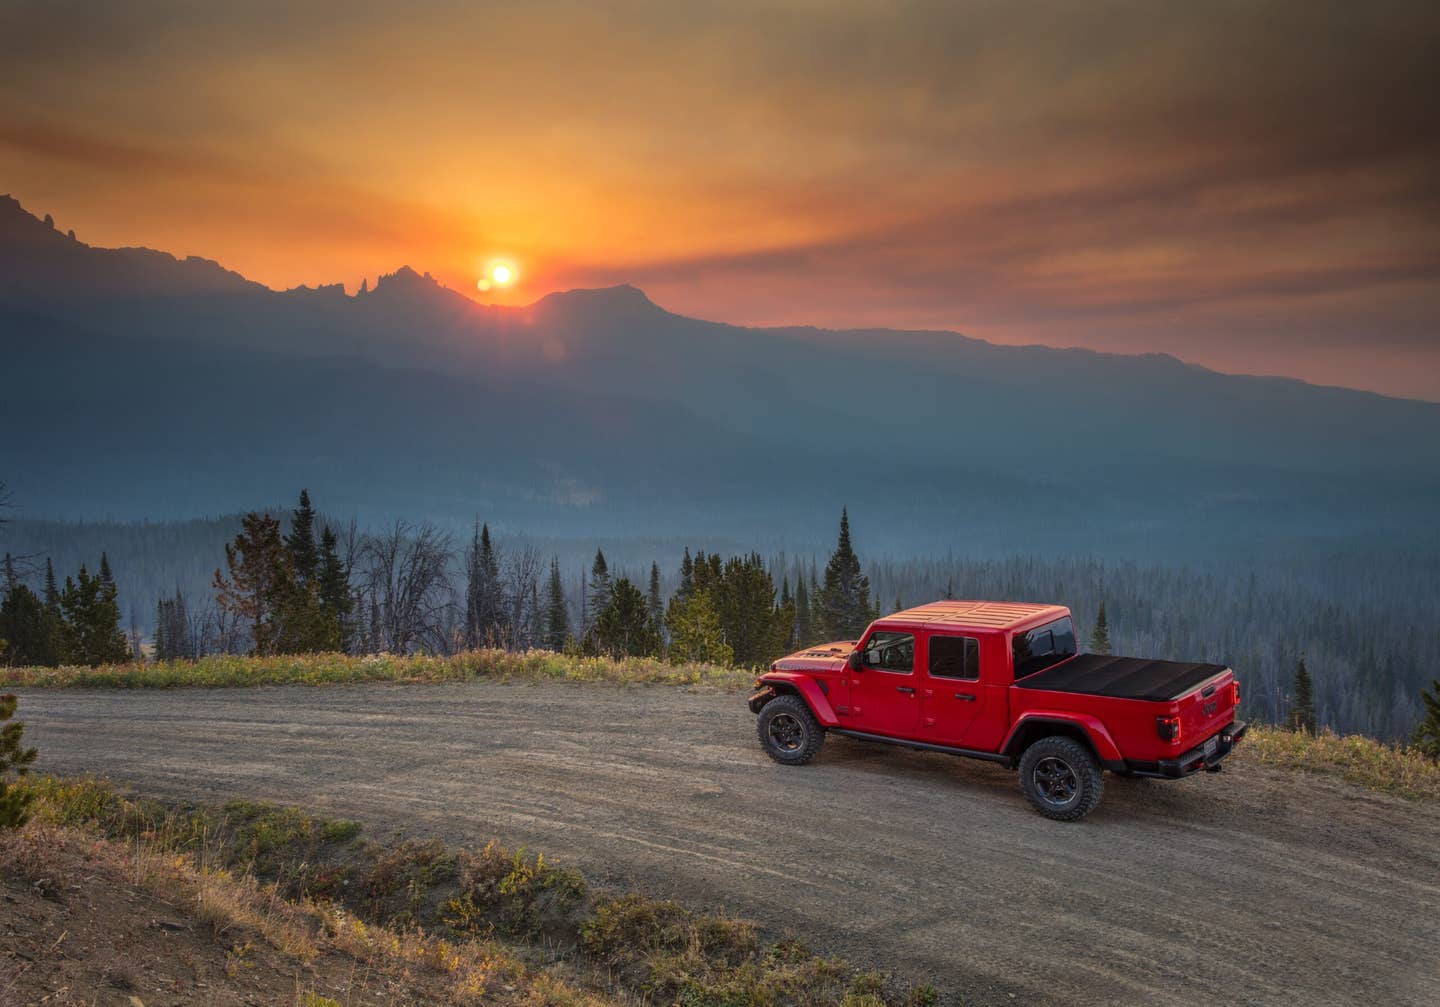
{"points": [[788, 731], [1061, 778]]}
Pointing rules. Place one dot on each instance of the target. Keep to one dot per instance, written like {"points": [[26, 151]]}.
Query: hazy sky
{"points": [[1253, 186]]}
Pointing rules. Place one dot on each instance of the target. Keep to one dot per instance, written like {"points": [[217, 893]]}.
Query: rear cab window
{"points": [[1043, 647]]}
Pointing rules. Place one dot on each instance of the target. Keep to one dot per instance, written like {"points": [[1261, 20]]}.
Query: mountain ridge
{"points": [[598, 407], [622, 302]]}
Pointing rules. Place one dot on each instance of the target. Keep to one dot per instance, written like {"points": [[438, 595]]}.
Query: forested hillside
{"points": [[1362, 618]]}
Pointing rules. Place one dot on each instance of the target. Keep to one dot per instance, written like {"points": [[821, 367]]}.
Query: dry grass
{"points": [[228, 671], [265, 880], [1391, 769]]}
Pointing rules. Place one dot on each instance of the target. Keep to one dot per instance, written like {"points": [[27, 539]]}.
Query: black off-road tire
{"points": [[1061, 779], [788, 731]]}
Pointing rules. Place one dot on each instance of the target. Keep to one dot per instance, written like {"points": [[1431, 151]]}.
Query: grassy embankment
{"points": [[1364, 761], [290, 908], [224, 671]]}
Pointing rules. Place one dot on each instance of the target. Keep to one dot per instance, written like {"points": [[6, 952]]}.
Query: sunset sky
{"points": [[1253, 186]]}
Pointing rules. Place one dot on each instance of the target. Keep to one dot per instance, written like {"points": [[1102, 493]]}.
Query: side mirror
{"points": [[855, 661]]}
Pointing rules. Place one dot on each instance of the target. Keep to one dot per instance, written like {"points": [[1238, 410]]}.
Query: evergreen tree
{"points": [[599, 596], [57, 633], [261, 586], [1427, 734], [1100, 638], [14, 763], [623, 628], [484, 594], [656, 604], [687, 575], [845, 598], [950, 589], [23, 627], [804, 631], [91, 611], [337, 603], [304, 554], [695, 635], [557, 613], [1303, 712], [743, 596]]}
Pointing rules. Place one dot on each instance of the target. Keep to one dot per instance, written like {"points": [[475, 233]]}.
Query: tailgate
{"points": [[1208, 708]]}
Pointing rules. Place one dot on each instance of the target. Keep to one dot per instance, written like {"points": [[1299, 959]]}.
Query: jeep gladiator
{"points": [[1004, 682]]}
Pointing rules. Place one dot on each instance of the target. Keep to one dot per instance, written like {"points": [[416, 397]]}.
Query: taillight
{"points": [[1168, 728], [1235, 685]]}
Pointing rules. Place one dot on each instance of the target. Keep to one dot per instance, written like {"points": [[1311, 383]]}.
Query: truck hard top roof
{"points": [[979, 614]]}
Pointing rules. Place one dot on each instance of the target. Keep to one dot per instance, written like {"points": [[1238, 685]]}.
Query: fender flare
{"points": [[808, 689], [1094, 730]]}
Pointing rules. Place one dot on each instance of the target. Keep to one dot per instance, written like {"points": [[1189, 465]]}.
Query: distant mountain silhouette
{"points": [[193, 390]]}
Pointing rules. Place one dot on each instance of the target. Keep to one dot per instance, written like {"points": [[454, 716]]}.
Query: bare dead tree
{"points": [[407, 574], [7, 500], [523, 568]]}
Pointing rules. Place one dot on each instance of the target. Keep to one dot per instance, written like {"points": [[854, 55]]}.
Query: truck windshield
{"points": [[1044, 647]]}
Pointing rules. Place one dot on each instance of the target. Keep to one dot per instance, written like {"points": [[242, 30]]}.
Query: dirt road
{"points": [[1253, 886]]}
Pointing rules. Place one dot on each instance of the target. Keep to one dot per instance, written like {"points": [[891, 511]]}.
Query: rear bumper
{"points": [[1202, 756]]}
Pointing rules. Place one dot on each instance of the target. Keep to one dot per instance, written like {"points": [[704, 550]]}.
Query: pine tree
{"points": [[599, 596], [14, 763], [484, 595], [261, 586], [557, 613], [656, 604], [845, 598], [1303, 711], [950, 589], [687, 575], [695, 635], [622, 628], [1100, 638], [804, 632], [57, 634], [337, 604], [304, 554], [1427, 734], [91, 612], [23, 627]]}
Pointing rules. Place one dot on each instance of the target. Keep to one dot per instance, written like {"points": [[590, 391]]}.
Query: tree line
{"points": [[1365, 633]]}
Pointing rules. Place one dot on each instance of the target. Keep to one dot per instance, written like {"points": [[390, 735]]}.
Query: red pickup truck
{"points": [[1004, 682]]}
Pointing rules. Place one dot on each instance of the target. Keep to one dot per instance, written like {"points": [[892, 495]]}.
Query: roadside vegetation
{"points": [[294, 908], [1389, 768], [230, 670]]}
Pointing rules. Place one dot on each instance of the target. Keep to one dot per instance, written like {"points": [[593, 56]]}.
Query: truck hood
{"points": [[822, 657]]}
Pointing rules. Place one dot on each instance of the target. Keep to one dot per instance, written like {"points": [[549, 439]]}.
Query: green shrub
{"points": [[15, 800]]}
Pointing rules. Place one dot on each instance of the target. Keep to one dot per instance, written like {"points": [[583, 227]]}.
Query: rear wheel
{"points": [[788, 731], [1061, 778]]}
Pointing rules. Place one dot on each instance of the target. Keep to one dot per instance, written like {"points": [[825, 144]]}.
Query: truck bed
{"points": [[1122, 677]]}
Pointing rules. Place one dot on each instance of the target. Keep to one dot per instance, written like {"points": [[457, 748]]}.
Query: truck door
{"points": [[950, 696], [882, 696]]}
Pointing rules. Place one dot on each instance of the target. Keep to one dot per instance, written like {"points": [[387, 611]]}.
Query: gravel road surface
{"points": [[1250, 886]]}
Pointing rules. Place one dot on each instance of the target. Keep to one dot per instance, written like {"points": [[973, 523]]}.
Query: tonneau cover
{"points": [[1122, 677]]}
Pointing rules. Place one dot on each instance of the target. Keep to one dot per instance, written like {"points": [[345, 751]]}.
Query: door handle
{"points": [[966, 697], [905, 689]]}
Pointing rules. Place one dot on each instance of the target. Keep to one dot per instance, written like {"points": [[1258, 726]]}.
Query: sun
{"points": [[497, 274]]}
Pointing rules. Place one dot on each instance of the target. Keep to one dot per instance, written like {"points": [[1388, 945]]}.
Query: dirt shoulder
{"points": [[1254, 886]]}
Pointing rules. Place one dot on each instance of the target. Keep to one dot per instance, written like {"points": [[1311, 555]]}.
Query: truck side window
{"points": [[955, 657], [888, 651], [1044, 647]]}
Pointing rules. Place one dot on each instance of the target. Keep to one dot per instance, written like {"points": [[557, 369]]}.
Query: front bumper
{"points": [[760, 698], [1205, 755]]}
